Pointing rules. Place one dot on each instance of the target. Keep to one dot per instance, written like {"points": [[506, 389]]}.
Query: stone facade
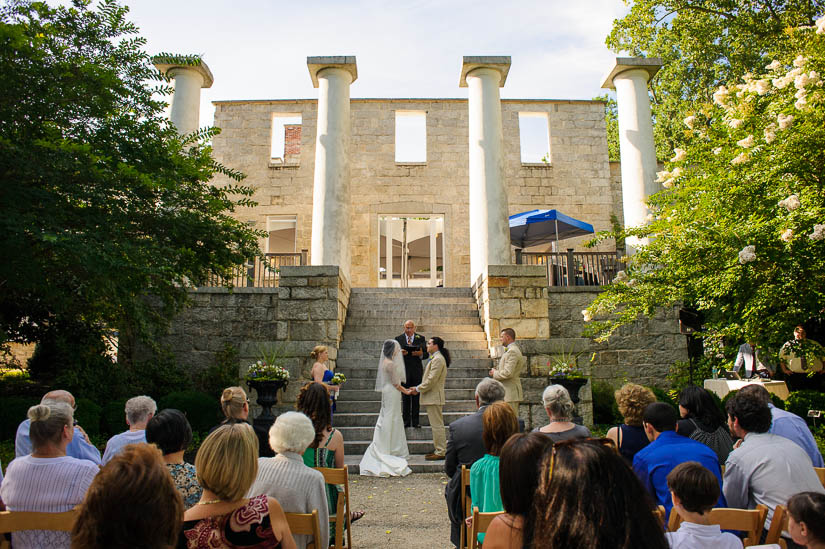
{"points": [[577, 180]]}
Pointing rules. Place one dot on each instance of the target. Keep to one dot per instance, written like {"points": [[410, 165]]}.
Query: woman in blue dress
{"points": [[321, 372]]}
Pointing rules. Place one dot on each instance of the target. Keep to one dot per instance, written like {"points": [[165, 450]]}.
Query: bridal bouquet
{"points": [[338, 379]]}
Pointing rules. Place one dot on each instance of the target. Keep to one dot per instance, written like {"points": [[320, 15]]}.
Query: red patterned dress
{"points": [[247, 526]]}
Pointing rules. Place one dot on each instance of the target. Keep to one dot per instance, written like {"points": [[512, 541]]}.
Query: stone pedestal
{"points": [[629, 77], [331, 191], [186, 100], [489, 222]]}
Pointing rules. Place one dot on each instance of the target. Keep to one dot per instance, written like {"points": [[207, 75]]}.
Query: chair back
{"points": [[779, 523], [481, 521], [750, 521], [660, 514], [15, 521], [343, 516], [466, 502], [306, 524], [820, 472]]}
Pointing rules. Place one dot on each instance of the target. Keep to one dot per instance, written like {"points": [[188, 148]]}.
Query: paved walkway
{"points": [[407, 512]]}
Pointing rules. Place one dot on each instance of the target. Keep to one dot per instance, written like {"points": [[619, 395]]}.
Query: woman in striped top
{"points": [[47, 480]]}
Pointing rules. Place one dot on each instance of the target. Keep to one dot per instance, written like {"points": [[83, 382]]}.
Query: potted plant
{"points": [[267, 376], [564, 371]]}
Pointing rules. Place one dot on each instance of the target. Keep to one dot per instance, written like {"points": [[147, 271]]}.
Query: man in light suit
{"points": [[509, 369], [433, 396], [751, 358]]}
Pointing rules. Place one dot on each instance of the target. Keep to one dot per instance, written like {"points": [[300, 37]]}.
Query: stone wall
{"points": [[577, 180]]}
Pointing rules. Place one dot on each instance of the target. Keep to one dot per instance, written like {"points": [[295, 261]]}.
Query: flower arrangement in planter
{"points": [[565, 366], [264, 371]]}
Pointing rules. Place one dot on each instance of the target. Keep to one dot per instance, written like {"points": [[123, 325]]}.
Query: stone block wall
{"points": [[577, 180]]}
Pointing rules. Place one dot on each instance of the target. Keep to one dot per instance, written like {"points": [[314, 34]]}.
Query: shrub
{"points": [[88, 415], [203, 411], [605, 410], [12, 412], [223, 373], [157, 376], [663, 396], [799, 402], [113, 417], [679, 372]]}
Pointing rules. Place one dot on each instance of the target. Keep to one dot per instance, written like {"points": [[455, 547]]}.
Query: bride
{"points": [[387, 454]]}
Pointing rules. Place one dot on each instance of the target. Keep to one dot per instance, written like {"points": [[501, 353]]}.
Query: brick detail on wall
{"points": [[292, 143]]}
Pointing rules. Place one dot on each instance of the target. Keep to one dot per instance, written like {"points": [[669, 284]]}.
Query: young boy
{"points": [[695, 491]]}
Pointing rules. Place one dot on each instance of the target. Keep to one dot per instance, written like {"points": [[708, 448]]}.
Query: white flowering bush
{"points": [[738, 229]]}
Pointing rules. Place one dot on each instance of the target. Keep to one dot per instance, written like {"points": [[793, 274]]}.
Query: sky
{"points": [[257, 49]]}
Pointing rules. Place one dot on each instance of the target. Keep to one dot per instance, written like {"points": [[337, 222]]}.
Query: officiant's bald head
{"points": [[409, 328]]}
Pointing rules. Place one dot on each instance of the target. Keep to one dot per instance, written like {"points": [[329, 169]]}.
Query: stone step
{"points": [[431, 326], [409, 292], [365, 383], [373, 406], [382, 334], [375, 352], [358, 447], [362, 395], [360, 300], [370, 345], [423, 433], [363, 419], [460, 367], [416, 462]]}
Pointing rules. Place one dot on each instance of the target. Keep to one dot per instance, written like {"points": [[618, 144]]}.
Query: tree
{"points": [[738, 231], [101, 202], [703, 43]]}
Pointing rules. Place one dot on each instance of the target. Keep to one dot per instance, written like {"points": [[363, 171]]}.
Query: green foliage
{"points": [[6, 453], [666, 397], [605, 409], [103, 202], [113, 417], [87, 415], [679, 373], [223, 373], [738, 230], [157, 376], [12, 412], [203, 411], [702, 44], [799, 402], [611, 120]]}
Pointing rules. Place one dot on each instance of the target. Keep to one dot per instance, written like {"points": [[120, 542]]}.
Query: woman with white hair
{"points": [[139, 410], [298, 488], [47, 480], [560, 408]]}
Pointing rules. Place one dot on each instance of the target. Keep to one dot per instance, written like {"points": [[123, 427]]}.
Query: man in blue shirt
{"points": [[79, 447], [667, 450], [787, 424]]}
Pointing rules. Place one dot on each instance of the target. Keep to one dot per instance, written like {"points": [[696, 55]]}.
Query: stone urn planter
{"points": [[573, 385], [267, 392]]}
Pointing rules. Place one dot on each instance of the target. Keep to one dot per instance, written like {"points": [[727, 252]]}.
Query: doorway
{"points": [[411, 251]]}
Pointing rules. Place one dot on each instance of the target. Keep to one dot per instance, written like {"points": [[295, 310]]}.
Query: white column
{"points": [[489, 223], [186, 99], [629, 77], [331, 195]]}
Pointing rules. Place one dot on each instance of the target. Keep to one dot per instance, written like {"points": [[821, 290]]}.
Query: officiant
{"points": [[414, 350]]}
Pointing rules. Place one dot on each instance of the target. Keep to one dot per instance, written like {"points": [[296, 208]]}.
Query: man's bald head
{"points": [[59, 395], [409, 328]]}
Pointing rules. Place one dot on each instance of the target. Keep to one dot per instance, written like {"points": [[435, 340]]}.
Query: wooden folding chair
{"points": [[466, 503], [481, 521], [306, 524], [750, 521], [15, 521], [820, 472], [779, 523], [660, 514], [343, 515]]}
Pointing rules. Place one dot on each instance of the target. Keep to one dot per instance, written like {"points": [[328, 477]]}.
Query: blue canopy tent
{"points": [[543, 226]]}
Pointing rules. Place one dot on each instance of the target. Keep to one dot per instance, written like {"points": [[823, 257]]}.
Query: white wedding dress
{"points": [[387, 455]]}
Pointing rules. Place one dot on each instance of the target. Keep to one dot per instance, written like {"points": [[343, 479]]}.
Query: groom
{"points": [[413, 347], [434, 398]]}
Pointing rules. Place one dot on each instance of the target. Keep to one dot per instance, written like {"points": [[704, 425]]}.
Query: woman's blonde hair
{"points": [[47, 422], [232, 401], [632, 399], [316, 352], [227, 461]]}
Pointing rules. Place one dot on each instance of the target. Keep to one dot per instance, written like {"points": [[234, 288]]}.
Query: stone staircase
{"points": [[377, 314]]}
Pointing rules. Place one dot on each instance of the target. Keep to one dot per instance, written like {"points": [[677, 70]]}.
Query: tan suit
{"points": [[507, 372], [433, 397]]}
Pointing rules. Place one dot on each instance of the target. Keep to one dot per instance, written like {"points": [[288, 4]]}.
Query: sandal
{"points": [[356, 515]]}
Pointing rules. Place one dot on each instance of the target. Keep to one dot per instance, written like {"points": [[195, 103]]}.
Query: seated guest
{"points": [[695, 491], [139, 410], [79, 447], [465, 446], [298, 488], [560, 410], [765, 468], [234, 405], [519, 465], [805, 512], [170, 431], [131, 503], [589, 497], [667, 450], [227, 463], [703, 421], [499, 423], [47, 480], [630, 437], [787, 424]]}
